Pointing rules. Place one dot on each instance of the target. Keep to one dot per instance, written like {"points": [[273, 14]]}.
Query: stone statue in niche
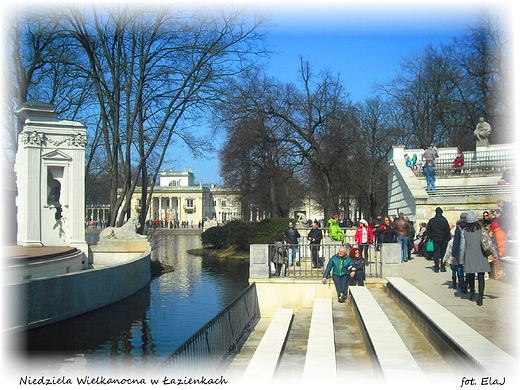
{"points": [[53, 195], [482, 132]]}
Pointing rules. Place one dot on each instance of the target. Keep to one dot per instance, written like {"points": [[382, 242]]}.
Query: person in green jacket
{"points": [[335, 232], [340, 265]]}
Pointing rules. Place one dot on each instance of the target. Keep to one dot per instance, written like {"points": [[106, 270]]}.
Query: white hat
{"points": [[363, 222]]}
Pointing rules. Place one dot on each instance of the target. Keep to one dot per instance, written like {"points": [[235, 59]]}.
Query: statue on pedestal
{"points": [[482, 132], [126, 232]]}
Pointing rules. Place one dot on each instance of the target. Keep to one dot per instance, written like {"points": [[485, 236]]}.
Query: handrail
{"points": [[209, 346], [475, 162], [305, 267]]}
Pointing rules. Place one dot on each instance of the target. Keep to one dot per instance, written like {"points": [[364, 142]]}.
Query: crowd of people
{"points": [[470, 247]]}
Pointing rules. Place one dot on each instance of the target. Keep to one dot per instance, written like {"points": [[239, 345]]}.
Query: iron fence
{"points": [[207, 348], [475, 162], [306, 267]]}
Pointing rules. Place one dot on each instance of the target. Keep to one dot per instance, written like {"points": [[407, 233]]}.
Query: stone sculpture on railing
{"points": [[482, 132]]}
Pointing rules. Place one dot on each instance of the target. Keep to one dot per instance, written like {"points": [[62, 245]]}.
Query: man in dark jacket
{"points": [[376, 222], [315, 236], [438, 230], [291, 239]]}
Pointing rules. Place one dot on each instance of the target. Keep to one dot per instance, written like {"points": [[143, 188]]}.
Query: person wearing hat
{"points": [[438, 230], [474, 259], [363, 237]]}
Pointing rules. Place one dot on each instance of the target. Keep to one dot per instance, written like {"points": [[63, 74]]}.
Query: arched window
{"points": [[174, 183]]}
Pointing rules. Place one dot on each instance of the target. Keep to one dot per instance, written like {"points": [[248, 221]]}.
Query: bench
{"points": [[391, 354], [264, 362], [473, 348], [320, 359]]}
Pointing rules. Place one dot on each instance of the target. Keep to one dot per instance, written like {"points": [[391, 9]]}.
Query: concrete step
{"points": [[321, 351], [461, 344], [393, 358], [264, 362], [391, 332], [472, 190]]}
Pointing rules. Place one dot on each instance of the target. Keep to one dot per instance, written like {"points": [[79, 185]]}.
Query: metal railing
{"points": [[475, 162], [207, 348], [306, 268]]}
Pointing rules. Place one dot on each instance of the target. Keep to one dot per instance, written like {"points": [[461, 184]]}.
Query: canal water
{"points": [[140, 331]]}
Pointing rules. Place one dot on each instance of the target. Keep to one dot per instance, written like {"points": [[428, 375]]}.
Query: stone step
{"points": [[264, 362], [391, 354], [320, 358], [450, 334], [472, 190]]}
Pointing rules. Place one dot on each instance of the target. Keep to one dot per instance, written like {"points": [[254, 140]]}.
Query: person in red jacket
{"points": [[364, 237], [458, 163]]}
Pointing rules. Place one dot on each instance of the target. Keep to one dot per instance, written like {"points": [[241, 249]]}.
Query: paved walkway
{"points": [[497, 319]]}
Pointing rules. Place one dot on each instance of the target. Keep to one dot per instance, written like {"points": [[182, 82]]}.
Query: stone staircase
{"points": [[473, 190], [389, 332]]}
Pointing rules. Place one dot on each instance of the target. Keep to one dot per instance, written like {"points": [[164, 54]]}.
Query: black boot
{"points": [[471, 286], [454, 285], [481, 284], [463, 287]]}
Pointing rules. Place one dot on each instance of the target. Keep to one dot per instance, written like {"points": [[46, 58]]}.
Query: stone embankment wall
{"points": [[47, 300]]}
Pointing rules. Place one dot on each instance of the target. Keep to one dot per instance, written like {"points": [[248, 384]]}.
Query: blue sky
{"points": [[363, 43]]}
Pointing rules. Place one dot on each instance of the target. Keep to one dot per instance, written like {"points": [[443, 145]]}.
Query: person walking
{"points": [[438, 230], [340, 265], [456, 268], [363, 237], [429, 172], [475, 261], [455, 253], [402, 233], [291, 240], [315, 236]]}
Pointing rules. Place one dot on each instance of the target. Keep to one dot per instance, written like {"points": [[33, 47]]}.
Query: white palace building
{"points": [[179, 198]]}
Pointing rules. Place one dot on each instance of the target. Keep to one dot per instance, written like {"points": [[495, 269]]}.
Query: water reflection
{"points": [[143, 329]]}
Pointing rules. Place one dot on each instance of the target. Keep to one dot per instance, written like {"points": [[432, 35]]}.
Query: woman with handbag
{"points": [[473, 256]]}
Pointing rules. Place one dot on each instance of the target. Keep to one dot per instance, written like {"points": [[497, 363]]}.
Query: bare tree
{"points": [[152, 70]]}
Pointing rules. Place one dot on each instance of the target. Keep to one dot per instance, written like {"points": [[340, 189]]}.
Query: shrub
{"points": [[215, 237], [265, 230], [240, 234], [237, 235]]}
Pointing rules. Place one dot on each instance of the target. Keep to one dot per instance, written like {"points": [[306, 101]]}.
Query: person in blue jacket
{"points": [[429, 172], [340, 265]]}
